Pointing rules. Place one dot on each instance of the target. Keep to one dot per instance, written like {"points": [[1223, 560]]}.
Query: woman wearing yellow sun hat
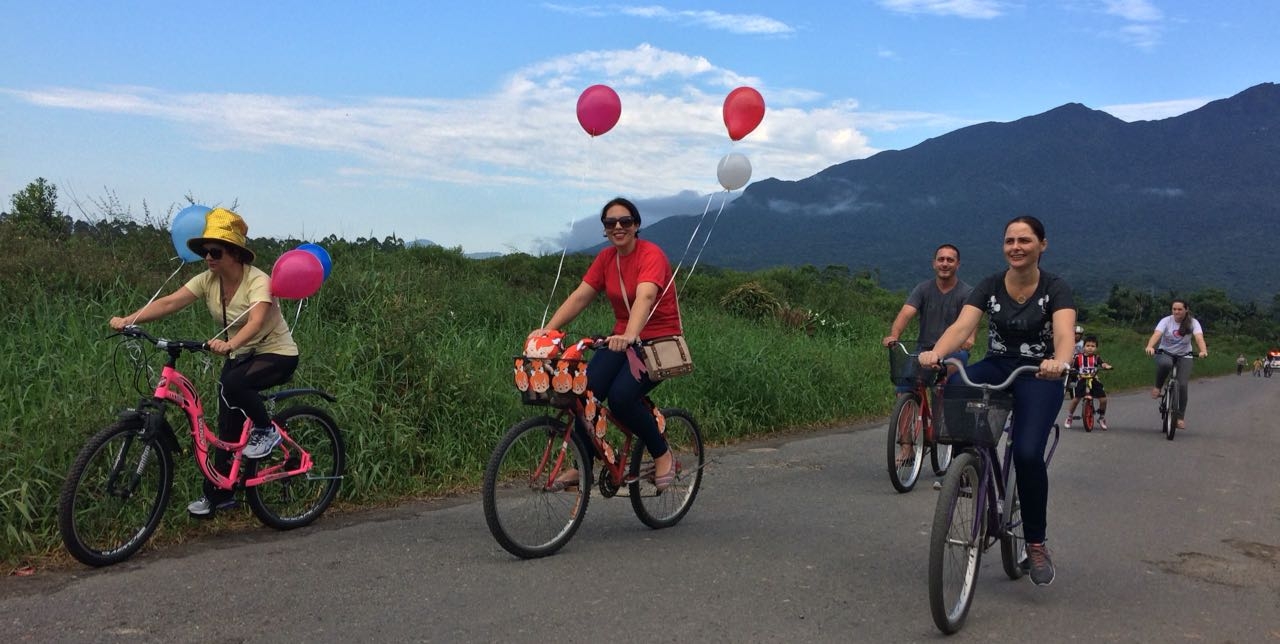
{"points": [[256, 340]]}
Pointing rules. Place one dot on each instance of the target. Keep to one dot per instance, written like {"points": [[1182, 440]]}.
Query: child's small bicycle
{"points": [[530, 508], [119, 484]]}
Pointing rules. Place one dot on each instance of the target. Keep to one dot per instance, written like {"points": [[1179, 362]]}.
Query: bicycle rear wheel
{"points": [[1013, 545], [955, 544], [528, 514], [665, 509], [906, 432], [1171, 416], [115, 494], [296, 501]]}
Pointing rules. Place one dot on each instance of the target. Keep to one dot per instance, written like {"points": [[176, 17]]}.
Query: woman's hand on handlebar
{"points": [[1151, 351], [621, 342], [930, 359], [118, 324], [1052, 369], [220, 347]]}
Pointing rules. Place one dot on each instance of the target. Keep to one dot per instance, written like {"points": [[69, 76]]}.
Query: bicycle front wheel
{"points": [[1086, 415], [528, 512], [665, 509], [906, 443], [295, 501], [955, 544], [115, 494], [1171, 416]]}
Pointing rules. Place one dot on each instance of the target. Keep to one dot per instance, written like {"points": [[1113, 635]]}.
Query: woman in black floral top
{"points": [[1030, 314]]}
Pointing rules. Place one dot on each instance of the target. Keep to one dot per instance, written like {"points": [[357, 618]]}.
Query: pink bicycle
{"points": [[116, 492]]}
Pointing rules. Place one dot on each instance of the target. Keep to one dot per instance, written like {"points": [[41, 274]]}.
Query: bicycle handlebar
{"points": [[1189, 356], [964, 377], [135, 331]]}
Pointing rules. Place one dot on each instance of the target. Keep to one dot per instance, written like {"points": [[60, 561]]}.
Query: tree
{"points": [[35, 210]]}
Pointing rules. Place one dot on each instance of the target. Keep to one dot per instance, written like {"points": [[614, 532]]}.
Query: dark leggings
{"points": [[1164, 365], [1035, 406], [238, 386], [610, 379]]}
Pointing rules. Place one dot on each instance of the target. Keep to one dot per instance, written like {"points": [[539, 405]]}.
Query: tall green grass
{"points": [[416, 343]]}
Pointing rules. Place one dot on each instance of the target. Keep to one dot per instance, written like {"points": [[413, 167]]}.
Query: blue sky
{"points": [[455, 121]]}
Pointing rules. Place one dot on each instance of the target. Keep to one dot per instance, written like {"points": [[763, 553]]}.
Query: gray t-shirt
{"points": [[937, 309]]}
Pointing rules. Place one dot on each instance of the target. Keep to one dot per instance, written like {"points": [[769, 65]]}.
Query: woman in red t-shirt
{"points": [[636, 277]]}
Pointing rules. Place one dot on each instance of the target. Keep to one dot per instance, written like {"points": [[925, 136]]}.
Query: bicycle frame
{"points": [[175, 388]]}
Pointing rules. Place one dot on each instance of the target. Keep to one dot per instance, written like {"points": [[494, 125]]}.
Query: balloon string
{"points": [[233, 322], [157, 293], [680, 264], [710, 228], [582, 181], [296, 314]]}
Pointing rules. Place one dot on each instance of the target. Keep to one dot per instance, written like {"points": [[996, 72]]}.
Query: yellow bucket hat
{"points": [[225, 227]]}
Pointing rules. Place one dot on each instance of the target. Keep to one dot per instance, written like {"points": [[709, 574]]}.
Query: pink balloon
{"points": [[743, 111], [297, 274], [598, 109]]}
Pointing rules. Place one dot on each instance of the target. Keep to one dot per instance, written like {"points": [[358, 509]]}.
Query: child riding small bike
{"points": [[1087, 363]]}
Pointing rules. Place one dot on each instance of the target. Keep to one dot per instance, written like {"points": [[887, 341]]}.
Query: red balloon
{"points": [[297, 274], [598, 109], [743, 111]]}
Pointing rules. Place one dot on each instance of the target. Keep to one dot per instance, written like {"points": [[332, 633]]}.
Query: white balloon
{"points": [[734, 171]]}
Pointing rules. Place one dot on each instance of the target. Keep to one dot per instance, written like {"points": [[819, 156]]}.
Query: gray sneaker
{"points": [[1042, 572], [261, 442], [203, 507]]}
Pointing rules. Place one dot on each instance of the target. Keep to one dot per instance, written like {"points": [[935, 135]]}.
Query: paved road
{"points": [[800, 539]]}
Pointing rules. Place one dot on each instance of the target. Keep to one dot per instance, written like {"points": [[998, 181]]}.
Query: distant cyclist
{"points": [[1071, 379], [1088, 362], [1241, 363], [1173, 335]]}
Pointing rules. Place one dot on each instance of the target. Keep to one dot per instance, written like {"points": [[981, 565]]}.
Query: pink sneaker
{"points": [[1067, 423]]}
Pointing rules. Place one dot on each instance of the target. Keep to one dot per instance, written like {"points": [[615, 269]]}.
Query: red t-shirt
{"points": [[647, 263]]}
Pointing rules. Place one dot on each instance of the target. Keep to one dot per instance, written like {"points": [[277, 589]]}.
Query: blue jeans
{"points": [[1035, 406], [610, 379], [961, 355]]}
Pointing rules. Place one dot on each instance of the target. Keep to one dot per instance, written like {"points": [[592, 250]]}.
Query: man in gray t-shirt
{"points": [[938, 302]]}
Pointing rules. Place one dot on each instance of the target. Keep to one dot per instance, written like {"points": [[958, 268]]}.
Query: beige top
{"points": [[255, 286]]}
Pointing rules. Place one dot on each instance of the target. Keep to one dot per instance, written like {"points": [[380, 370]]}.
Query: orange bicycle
{"points": [[529, 507]]}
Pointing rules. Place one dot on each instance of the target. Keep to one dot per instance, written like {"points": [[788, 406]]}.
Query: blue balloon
{"points": [[187, 225], [321, 254]]}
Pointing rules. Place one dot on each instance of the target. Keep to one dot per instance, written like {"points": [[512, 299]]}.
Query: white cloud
{"points": [[1155, 111], [1144, 22], [1134, 10], [981, 9], [737, 23], [669, 138]]}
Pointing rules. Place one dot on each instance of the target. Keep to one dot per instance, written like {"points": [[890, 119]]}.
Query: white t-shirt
{"points": [[1171, 338]]}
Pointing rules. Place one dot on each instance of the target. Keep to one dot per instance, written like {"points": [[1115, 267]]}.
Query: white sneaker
{"points": [[261, 442], [1067, 423], [203, 507]]}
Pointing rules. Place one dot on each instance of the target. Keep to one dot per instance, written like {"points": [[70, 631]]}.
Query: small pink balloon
{"points": [[599, 109], [297, 274], [743, 111]]}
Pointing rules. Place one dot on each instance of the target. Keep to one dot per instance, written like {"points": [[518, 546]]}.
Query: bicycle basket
{"points": [[964, 418], [555, 382], [904, 366]]}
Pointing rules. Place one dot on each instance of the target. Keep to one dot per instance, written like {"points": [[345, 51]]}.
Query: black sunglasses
{"points": [[626, 222], [212, 253]]}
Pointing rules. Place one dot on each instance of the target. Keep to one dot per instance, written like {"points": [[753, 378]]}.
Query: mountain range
{"points": [[1177, 204]]}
